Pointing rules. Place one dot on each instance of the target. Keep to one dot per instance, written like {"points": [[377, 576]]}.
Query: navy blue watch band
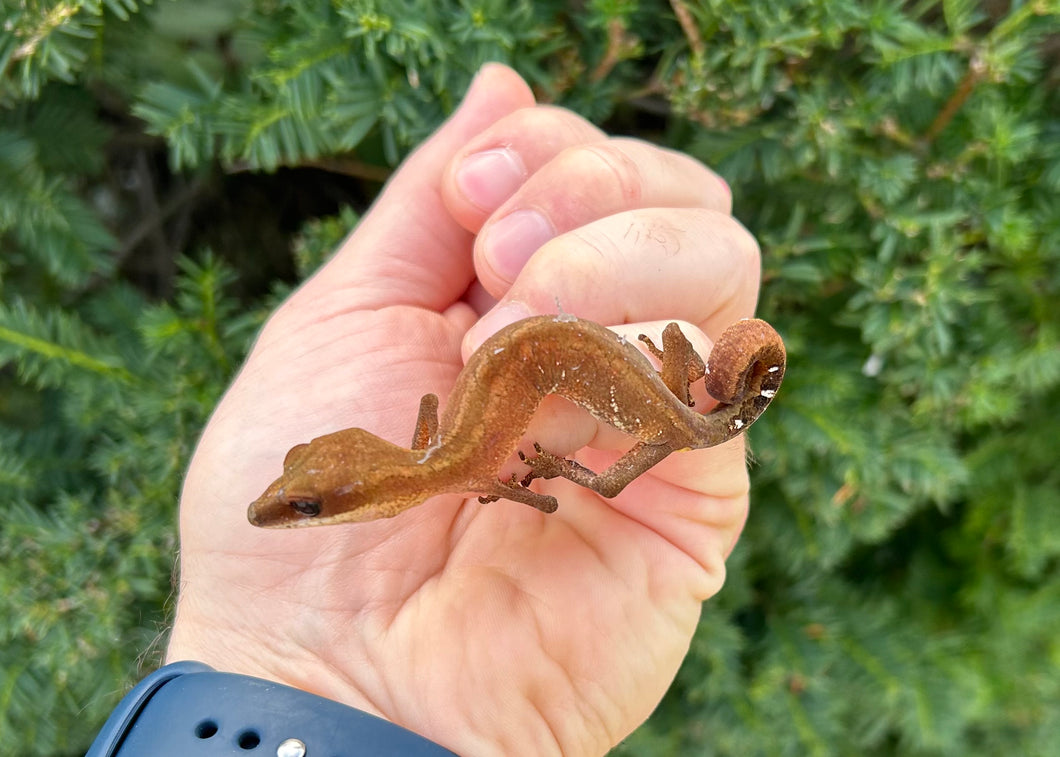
{"points": [[188, 709]]}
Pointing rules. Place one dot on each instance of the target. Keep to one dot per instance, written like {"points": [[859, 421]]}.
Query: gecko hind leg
{"points": [[426, 432], [636, 461], [681, 365]]}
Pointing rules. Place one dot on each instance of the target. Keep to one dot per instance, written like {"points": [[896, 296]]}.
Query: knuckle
{"points": [[610, 165], [540, 121], [539, 133]]}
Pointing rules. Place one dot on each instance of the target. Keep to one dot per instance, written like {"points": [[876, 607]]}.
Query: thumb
{"points": [[408, 249]]}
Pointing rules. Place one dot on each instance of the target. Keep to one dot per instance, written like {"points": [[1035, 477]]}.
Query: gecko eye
{"points": [[307, 507]]}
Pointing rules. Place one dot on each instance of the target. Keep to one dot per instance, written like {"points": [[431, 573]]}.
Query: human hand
{"points": [[490, 629]]}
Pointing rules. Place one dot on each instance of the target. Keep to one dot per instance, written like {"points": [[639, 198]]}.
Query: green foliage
{"points": [[98, 422], [327, 74], [896, 590]]}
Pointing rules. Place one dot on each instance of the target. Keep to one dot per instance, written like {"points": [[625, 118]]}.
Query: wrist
{"points": [[468, 712], [466, 724], [226, 650]]}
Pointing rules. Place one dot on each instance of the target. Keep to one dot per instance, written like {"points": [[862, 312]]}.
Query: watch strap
{"points": [[187, 709]]}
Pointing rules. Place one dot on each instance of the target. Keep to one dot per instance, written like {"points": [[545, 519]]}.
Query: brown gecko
{"points": [[353, 475]]}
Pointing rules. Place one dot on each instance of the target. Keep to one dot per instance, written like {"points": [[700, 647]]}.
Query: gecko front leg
{"points": [[426, 433], [517, 492]]}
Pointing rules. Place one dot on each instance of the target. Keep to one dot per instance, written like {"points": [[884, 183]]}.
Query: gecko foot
{"points": [[513, 481], [547, 465], [514, 490]]}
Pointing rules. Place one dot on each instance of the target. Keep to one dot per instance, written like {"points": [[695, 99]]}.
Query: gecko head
{"points": [[337, 478]]}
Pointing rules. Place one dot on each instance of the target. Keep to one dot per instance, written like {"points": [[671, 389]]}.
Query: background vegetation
{"points": [[167, 171]]}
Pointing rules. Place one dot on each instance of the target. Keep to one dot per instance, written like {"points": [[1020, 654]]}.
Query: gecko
{"points": [[352, 475]]}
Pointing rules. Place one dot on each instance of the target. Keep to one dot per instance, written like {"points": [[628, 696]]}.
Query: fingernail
{"points": [[510, 242], [489, 178]]}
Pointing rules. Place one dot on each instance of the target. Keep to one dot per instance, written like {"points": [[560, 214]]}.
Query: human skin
{"points": [[492, 629]]}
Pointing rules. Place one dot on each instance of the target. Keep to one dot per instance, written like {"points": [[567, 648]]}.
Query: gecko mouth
{"points": [[266, 513], [276, 508]]}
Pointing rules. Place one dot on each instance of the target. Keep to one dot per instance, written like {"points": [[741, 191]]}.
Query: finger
{"points": [[408, 249], [586, 183], [641, 265], [494, 164]]}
